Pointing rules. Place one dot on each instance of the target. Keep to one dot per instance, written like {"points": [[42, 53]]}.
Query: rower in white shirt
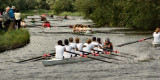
{"points": [[95, 44], [67, 48], [59, 51], [88, 46], [79, 46], [156, 36], [73, 45]]}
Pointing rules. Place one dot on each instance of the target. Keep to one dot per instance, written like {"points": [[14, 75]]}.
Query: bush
{"points": [[14, 39]]}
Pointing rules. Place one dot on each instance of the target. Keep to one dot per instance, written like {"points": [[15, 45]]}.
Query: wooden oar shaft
{"points": [[115, 54], [102, 56], [35, 58], [90, 57], [133, 42]]}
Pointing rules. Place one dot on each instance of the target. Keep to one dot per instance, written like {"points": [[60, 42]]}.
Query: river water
{"points": [[146, 66]]}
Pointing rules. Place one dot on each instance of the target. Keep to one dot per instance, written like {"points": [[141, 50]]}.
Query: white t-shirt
{"points": [[17, 16], [80, 47], [73, 45], [99, 49], [156, 37], [66, 54], [88, 47], [59, 51], [95, 44]]}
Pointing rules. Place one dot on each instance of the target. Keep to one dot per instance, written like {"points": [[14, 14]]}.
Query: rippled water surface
{"points": [[146, 66]]}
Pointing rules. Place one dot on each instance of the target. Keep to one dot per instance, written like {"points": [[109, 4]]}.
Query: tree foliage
{"points": [[139, 14]]}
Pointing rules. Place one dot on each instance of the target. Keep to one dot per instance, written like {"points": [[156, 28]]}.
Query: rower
{"points": [[79, 45], [100, 45], [156, 36], [59, 51], [33, 21], [95, 43], [107, 47], [67, 48], [46, 24], [73, 45], [88, 30], [88, 46]]}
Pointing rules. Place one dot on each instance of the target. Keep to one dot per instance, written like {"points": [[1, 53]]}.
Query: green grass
{"points": [[71, 14], [14, 39]]}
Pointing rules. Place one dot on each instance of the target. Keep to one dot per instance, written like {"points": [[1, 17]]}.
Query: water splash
{"points": [[147, 56]]}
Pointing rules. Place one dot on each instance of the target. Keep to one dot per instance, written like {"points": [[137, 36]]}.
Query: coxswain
{"points": [[107, 47]]}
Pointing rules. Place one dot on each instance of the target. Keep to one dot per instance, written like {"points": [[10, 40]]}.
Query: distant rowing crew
{"points": [[82, 28], [80, 48]]}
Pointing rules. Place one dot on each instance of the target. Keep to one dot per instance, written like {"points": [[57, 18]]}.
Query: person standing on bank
{"points": [[18, 18], [1, 28], [11, 14], [6, 19]]}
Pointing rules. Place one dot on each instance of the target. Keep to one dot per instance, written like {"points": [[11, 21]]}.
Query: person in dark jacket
{"points": [[6, 19], [11, 14], [1, 28], [108, 46]]}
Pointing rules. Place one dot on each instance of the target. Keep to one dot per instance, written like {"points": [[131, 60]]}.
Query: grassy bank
{"points": [[14, 39], [71, 14]]}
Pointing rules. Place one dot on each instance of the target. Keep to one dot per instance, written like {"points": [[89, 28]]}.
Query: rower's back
{"points": [[88, 46], [67, 48], [79, 45], [95, 43], [156, 36], [59, 50], [73, 45]]}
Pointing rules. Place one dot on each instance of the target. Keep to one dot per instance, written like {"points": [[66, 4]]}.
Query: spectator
{"points": [[6, 19], [1, 28], [18, 18], [11, 14]]}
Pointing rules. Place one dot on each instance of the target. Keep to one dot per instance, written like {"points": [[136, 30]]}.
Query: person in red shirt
{"points": [[46, 24]]}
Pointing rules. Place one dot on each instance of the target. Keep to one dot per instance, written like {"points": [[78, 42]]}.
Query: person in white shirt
{"points": [[18, 18], [73, 45], [88, 46], [79, 46], [95, 44], [156, 36], [67, 48], [59, 51]]}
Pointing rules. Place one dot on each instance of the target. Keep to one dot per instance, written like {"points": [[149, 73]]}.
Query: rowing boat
{"points": [[65, 61], [75, 59]]}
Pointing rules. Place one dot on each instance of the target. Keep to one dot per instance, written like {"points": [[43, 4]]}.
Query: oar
{"points": [[100, 55], [43, 57], [88, 57], [134, 42], [39, 57], [123, 53], [115, 54]]}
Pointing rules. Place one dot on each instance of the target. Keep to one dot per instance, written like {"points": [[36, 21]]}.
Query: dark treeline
{"points": [[138, 14]]}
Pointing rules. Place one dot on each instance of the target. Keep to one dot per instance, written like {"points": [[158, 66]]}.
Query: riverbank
{"points": [[14, 39]]}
